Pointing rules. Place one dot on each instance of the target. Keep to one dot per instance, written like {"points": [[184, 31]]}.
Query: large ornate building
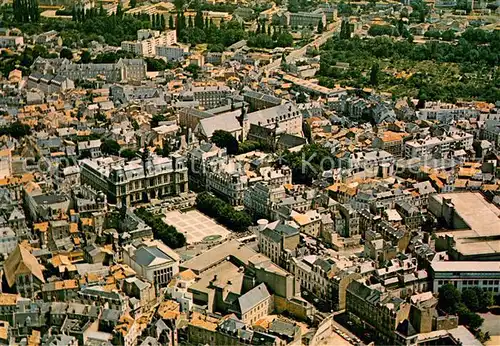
{"points": [[138, 180]]}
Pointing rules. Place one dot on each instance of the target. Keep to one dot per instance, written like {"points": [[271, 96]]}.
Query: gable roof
{"points": [[253, 297], [21, 261], [227, 122]]}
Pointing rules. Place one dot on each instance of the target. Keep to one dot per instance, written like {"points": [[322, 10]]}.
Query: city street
{"points": [[302, 51]]}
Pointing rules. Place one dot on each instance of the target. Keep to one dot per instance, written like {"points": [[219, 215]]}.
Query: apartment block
{"points": [[306, 19], [123, 70], [438, 146], [211, 96], [11, 41], [276, 238], [50, 84], [261, 199], [173, 52], [148, 40]]}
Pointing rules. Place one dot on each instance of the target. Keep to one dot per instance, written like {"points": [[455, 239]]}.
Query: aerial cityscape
{"points": [[250, 172]]}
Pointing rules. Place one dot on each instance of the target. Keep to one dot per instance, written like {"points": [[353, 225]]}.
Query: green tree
{"points": [[26, 11], [166, 233], [301, 98], [345, 30], [85, 58], [320, 27], [110, 147], [306, 129], [194, 70], [133, 3], [374, 72], [448, 35], [154, 25], [162, 22], [436, 34], [468, 318], [40, 50], [179, 5], [154, 64], [157, 119], [198, 20], [470, 299], [85, 154], [449, 299], [224, 213], [128, 154], [293, 6], [284, 40], [16, 130], [66, 53], [119, 10], [171, 22], [224, 139], [485, 299]]}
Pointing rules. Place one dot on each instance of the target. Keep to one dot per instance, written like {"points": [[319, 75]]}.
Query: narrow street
{"points": [[302, 51]]}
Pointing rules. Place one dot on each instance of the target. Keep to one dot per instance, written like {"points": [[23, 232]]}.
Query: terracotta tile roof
{"points": [[391, 136], [490, 187], [203, 321], [73, 227], [187, 275], [8, 299], [41, 227]]}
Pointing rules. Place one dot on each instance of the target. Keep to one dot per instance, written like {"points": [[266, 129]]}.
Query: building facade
{"points": [[152, 261], [138, 180]]}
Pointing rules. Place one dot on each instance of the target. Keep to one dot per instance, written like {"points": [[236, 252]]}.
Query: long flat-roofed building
{"points": [[465, 274], [474, 226]]}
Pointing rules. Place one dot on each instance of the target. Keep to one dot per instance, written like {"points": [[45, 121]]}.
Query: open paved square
{"points": [[196, 226]]}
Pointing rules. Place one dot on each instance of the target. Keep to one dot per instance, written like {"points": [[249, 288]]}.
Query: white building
{"points": [[172, 52], [309, 222], [211, 96], [227, 178], [153, 261], [261, 199], [287, 118], [491, 132], [5, 163], [178, 289], [464, 274], [8, 240], [445, 113], [301, 19], [371, 160], [11, 41], [92, 146], [440, 146], [148, 40], [123, 70]]}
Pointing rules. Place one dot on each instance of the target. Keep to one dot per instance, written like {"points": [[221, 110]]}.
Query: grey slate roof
{"points": [[253, 297]]}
